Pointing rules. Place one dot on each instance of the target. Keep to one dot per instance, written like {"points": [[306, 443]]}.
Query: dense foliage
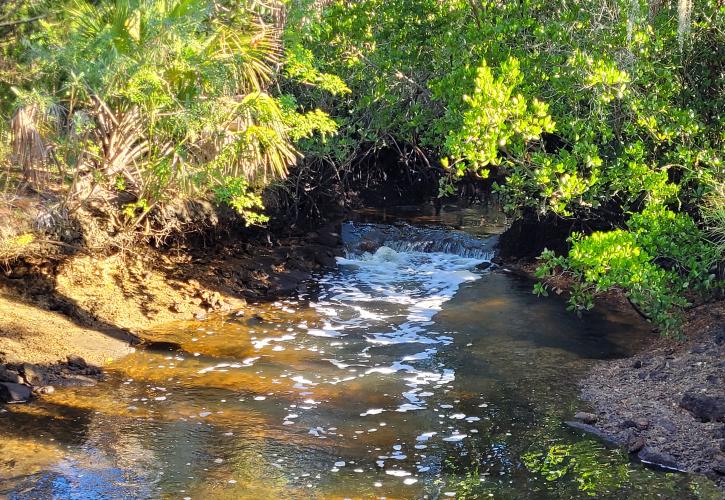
{"points": [[607, 112], [146, 101]]}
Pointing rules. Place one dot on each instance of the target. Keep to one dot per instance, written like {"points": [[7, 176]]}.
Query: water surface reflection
{"points": [[405, 375]]}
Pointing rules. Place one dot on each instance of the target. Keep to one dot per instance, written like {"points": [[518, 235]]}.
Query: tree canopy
{"points": [[605, 112]]}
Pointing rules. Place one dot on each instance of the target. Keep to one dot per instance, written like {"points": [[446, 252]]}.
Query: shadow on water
{"points": [[405, 375]]}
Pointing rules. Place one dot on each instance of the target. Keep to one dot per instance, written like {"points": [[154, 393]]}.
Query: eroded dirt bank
{"points": [[62, 320]]}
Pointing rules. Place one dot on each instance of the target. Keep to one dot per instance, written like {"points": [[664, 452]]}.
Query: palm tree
{"points": [[163, 97]]}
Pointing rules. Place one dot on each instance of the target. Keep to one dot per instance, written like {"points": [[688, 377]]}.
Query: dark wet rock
{"points": [[658, 459], [359, 238], [328, 236], [14, 393], [161, 346], [368, 246], [92, 371], [605, 436], [704, 404], [283, 284], [325, 259], [483, 266], [8, 375], [287, 283], [530, 235], [77, 362], [74, 379], [635, 444], [587, 418], [316, 256], [33, 375]]}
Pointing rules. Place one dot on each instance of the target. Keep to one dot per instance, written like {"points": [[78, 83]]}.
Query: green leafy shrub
{"points": [[607, 114], [657, 262], [235, 192]]}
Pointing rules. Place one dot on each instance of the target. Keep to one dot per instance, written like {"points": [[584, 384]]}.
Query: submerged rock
{"points": [[14, 393], [605, 436], [655, 458]]}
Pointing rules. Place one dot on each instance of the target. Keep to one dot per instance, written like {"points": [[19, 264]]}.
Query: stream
{"points": [[413, 370]]}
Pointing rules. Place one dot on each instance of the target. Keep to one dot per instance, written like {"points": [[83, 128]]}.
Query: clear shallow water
{"points": [[403, 375]]}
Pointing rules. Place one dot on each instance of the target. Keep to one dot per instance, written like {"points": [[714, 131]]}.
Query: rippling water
{"points": [[404, 374]]}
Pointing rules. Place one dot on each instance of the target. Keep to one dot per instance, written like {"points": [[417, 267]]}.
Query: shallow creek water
{"points": [[402, 374]]}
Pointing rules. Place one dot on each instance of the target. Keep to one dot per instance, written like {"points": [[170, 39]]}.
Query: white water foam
{"points": [[389, 298]]}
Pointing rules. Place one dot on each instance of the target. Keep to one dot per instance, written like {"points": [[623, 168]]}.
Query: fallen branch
{"points": [[12, 24]]}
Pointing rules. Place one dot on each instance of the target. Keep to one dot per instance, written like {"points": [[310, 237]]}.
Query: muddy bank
{"points": [[667, 404], [96, 307]]}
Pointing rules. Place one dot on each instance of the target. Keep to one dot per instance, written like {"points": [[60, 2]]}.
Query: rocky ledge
{"points": [[19, 383]]}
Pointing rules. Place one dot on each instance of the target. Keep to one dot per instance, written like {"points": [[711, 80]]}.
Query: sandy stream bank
{"points": [[60, 324]]}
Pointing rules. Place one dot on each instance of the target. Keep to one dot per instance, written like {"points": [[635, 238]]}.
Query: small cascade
{"points": [[368, 238]]}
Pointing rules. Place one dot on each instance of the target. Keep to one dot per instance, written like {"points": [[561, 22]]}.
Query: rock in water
{"points": [[657, 459], [14, 393], [33, 375], [7, 375]]}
